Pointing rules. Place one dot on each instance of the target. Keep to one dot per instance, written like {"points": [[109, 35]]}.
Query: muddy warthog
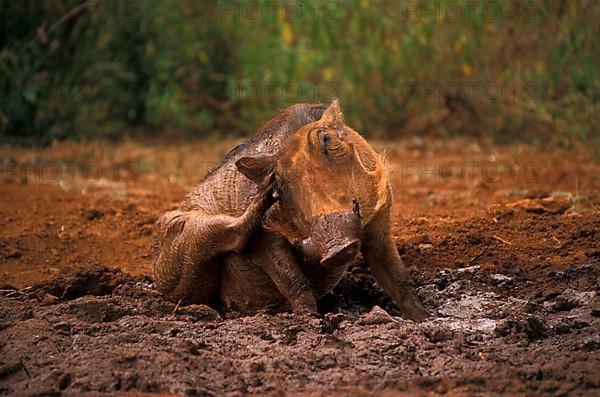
{"points": [[278, 221]]}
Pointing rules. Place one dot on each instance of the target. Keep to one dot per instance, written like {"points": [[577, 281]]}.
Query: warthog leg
{"points": [[381, 254], [190, 244], [266, 275]]}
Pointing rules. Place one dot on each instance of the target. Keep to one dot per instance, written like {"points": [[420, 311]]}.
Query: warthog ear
{"points": [[255, 168], [333, 114]]}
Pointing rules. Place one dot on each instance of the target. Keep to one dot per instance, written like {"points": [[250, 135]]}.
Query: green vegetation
{"points": [[509, 69]]}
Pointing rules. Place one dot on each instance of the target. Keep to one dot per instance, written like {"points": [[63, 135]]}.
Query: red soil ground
{"points": [[503, 243]]}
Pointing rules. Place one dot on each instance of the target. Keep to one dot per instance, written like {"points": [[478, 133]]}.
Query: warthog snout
{"points": [[334, 238]]}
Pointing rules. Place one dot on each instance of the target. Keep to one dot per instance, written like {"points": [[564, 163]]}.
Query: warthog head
{"points": [[327, 180]]}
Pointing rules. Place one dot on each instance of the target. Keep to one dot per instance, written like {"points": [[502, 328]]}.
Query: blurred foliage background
{"points": [[511, 70]]}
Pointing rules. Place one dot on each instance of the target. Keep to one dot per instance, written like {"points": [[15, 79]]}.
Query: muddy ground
{"points": [[503, 243]]}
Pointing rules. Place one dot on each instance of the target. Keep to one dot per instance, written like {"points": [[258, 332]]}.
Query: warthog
{"points": [[278, 221]]}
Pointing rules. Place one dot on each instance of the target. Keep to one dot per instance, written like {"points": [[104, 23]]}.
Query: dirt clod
{"points": [[377, 316]]}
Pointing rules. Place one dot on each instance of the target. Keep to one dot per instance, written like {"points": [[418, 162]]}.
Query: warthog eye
{"points": [[325, 139]]}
